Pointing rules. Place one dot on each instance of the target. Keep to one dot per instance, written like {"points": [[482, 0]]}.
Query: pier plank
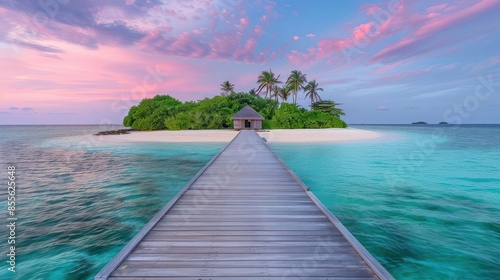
{"points": [[245, 215]]}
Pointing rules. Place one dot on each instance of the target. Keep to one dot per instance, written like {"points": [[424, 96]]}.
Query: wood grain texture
{"points": [[245, 216]]}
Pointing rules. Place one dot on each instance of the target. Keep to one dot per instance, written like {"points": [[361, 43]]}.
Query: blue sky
{"points": [[394, 61]]}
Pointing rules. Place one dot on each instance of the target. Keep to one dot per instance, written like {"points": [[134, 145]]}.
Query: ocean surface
{"points": [[425, 200], [80, 200]]}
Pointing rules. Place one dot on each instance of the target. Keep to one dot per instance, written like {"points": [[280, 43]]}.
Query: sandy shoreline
{"points": [[329, 135], [194, 136]]}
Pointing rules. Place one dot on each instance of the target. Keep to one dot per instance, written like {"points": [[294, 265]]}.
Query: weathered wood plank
{"points": [[239, 278], [243, 250], [245, 244], [266, 208], [246, 227], [253, 232], [157, 236], [216, 212], [244, 216], [242, 257], [227, 217], [230, 272], [234, 264]]}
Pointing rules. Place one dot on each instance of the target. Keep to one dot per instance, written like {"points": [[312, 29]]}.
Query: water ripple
{"points": [[79, 204]]}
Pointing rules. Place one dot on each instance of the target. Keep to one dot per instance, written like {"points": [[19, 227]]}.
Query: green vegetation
{"points": [[291, 116], [329, 107], [166, 112]]}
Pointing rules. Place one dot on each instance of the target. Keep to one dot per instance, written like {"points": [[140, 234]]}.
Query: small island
{"points": [[443, 123], [164, 112], [419, 122]]}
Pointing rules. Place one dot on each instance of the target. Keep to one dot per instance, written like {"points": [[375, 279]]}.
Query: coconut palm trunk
{"points": [[296, 81]]}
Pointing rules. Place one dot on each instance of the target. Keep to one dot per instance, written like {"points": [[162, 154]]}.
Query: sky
{"points": [[386, 61]]}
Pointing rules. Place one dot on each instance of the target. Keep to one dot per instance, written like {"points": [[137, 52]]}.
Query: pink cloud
{"points": [[485, 64], [296, 38], [232, 36], [247, 52], [111, 73], [361, 35], [186, 45], [459, 17], [310, 35], [324, 49], [66, 64], [370, 9], [244, 21], [171, 12], [436, 8], [223, 46], [243, 24], [258, 30], [428, 26], [419, 32], [390, 67], [362, 31], [398, 77]]}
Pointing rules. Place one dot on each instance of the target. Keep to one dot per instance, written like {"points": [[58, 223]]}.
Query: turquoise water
{"points": [[80, 201], [425, 201]]}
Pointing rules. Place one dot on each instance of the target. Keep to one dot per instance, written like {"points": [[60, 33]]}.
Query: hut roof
{"points": [[247, 113]]}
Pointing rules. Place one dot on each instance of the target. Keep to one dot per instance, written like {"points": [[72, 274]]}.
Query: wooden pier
{"points": [[245, 215]]}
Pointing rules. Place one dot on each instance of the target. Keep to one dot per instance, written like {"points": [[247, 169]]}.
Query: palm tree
{"points": [[226, 88], [276, 92], [312, 89], [296, 82], [252, 92], [267, 80], [285, 93]]}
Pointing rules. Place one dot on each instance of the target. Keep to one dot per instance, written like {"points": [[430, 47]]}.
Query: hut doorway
{"points": [[248, 123]]}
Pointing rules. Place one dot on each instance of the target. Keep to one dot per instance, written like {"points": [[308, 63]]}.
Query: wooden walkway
{"points": [[245, 215]]}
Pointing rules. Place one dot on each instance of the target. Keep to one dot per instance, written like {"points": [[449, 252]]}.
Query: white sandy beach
{"points": [[330, 135], [326, 135], [195, 136]]}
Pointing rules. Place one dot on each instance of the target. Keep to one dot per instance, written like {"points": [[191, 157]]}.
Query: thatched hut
{"points": [[247, 118]]}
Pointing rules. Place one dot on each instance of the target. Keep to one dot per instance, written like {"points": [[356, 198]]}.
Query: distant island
{"points": [[165, 112], [421, 122]]}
